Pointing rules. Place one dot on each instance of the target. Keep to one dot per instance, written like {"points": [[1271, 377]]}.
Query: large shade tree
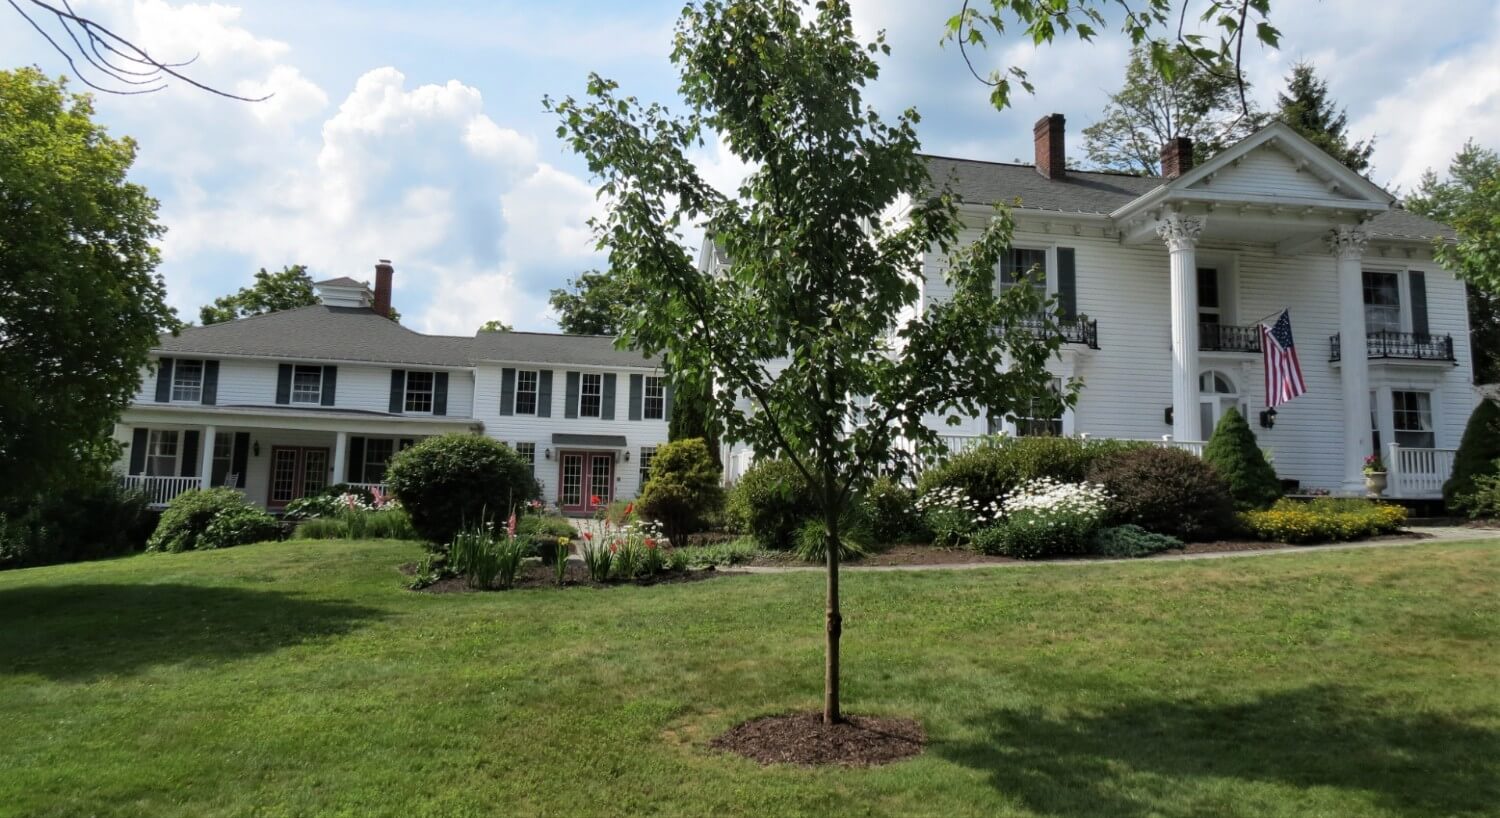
{"points": [[288, 288], [81, 304], [825, 238]]}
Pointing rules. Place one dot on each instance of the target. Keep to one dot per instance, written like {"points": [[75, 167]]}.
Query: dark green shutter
{"points": [[440, 393], [330, 385], [1067, 283], [210, 383], [570, 400], [398, 390], [637, 394], [284, 384], [1418, 283], [607, 399], [544, 394], [508, 391], [189, 453], [138, 451], [354, 470], [666, 408], [239, 459], [164, 380]]}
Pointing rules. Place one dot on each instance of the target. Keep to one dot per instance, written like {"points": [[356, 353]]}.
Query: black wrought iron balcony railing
{"points": [[1078, 330], [1228, 338], [1410, 346]]}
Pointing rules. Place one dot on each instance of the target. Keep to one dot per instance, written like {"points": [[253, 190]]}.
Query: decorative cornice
{"points": [[1180, 232], [1347, 241]]}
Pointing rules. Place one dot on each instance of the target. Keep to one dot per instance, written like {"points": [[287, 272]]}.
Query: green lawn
{"points": [[301, 679]]}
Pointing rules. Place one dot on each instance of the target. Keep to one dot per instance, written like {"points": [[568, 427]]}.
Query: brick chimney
{"points": [[1176, 157], [383, 273], [1050, 155]]}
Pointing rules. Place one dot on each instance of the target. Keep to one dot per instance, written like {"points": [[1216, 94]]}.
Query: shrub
{"points": [[770, 502], [448, 482], [475, 555], [322, 528], [545, 535], [1044, 518], [1131, 541], [995, 468], [93, 519], [736, 552], [1478, 454], [892, 511], [1324, 520], [854, 537], [1166, 490], [950, 527], [386, 524], [684, 489], [1233, 453], [598, 560], [189, 515], [1483, 502], [238, 526]]}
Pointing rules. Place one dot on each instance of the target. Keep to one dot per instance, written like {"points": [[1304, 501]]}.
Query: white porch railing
{"points": [[1417, 474], [160, 490], [370, 487]]}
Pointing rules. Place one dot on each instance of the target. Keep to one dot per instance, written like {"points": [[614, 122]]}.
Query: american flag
{"points": [[1283, 370]]}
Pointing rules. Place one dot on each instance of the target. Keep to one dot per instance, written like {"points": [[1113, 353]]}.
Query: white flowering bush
{"points": [[1045, 518], [951, 515]]}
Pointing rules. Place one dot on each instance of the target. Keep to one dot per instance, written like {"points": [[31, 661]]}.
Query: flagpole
{"points": [[1263, 318]]}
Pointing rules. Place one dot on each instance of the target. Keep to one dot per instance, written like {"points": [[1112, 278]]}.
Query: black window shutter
{"points": [[330, 385], [637, 395], [570, 402], [1067, 283], [354, 470], [1418, 283], [239, 460], [544, 394], [666, 409], [190, 453], [138, 451], [607, 399], [210, 383], [406, 443], [440, 393], [284, 384], [508, 391], [398, 391], [164, 380]]}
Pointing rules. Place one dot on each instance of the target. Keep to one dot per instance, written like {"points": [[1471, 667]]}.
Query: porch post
{"points": [[1347, 243], [340, 457], [206, 459], [1181, 236]]}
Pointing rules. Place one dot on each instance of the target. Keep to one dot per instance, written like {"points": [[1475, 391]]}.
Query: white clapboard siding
{"points": [[1266, 171], [363, 388]]}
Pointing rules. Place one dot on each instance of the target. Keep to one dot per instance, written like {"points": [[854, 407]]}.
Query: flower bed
{"points": [[1323, 520]]}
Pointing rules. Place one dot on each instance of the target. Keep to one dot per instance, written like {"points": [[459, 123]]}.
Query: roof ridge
{"points": [[1125, 174], [245, 318]]}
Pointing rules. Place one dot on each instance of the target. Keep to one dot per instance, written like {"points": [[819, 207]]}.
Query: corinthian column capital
{"points": [[1180, 232], [1347, 241]]}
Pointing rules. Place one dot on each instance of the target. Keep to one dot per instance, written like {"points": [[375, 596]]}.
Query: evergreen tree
{"points": [[1306, 107], [1478, 453], [1234, 454]]}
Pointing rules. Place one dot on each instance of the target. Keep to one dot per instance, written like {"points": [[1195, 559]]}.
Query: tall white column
{"points": [[1348, 247], [206, 458], [341, 457], [1181, 236]]}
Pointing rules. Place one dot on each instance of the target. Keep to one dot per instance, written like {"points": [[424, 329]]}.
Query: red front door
{"points": [[296, 471], [586, 481]]}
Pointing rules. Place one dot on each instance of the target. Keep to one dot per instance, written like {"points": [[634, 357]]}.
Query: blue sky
{"points": [[416, 132]]}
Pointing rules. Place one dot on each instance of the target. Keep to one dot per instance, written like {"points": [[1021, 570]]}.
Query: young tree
{"points": [[1469, 200], [823, 241], [1149, 109], [1236, 456], [287, 289], [495, 325], [80, 302], [591, 305], [1306, 107]]}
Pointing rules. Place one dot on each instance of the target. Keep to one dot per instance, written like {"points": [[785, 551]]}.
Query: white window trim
{"points": [[661, 382], [406, 392], [202, 374], [1434, 411], [643, 469], [1227, 265], [151, 435], [1403, 289], [1051, 261], [292, 397], [536, 391], [583, 380], [364, 466]]}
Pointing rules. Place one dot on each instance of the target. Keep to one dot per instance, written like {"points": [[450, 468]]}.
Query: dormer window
{"points": [[307, 384], [187, 381]]}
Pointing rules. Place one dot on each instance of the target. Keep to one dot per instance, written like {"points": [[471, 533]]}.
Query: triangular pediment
{"points": [[1277, 163]]}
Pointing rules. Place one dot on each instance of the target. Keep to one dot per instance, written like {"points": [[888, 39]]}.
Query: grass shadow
{"points": [[1136, 758], [85, 631]]}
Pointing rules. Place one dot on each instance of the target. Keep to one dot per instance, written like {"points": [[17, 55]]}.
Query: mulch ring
{"points": [[535, 575], [803, 739]]}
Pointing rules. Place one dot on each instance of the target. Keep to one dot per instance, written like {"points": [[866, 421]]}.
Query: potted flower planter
{"points": [[1375, 483]]}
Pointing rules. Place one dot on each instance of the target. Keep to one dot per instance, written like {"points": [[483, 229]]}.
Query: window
{"points": [[1411, 416], [1216, 395], [1382, 302], [187, 381], [161, 453], [591, 398], [1043, 416], [527, 451], [1209, 309], [648, 453], [419, 391], [526, 392], [223, 457], [655, 407], [307, 384], [1374, 424], [1018, 262], [378, 452]]}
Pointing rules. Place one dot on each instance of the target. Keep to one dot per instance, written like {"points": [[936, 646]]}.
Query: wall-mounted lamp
{"points": [[1168, 415], [627, 455], [547, 453], [255, 447], [1268, 419]]}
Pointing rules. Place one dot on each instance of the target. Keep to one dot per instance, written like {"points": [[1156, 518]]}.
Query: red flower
{"points": [[593, 499], [650, 543], [614, 547], [588, 535], [630, 508]]}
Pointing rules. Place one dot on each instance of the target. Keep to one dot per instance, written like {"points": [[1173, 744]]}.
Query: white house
{"points": [[1163, 279], [284, 404]]}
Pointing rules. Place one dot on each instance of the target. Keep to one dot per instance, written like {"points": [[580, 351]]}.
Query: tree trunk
{"points": [[835, 623]]}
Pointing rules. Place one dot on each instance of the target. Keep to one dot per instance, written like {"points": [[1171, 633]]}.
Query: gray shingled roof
{"points": [[1102, 193], [341, 281], [553, 348]]}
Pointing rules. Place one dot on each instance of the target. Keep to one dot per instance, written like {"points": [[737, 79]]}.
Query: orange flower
{"points": [[588, 535], [650, 543], [614, 548], [630, 508]]}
